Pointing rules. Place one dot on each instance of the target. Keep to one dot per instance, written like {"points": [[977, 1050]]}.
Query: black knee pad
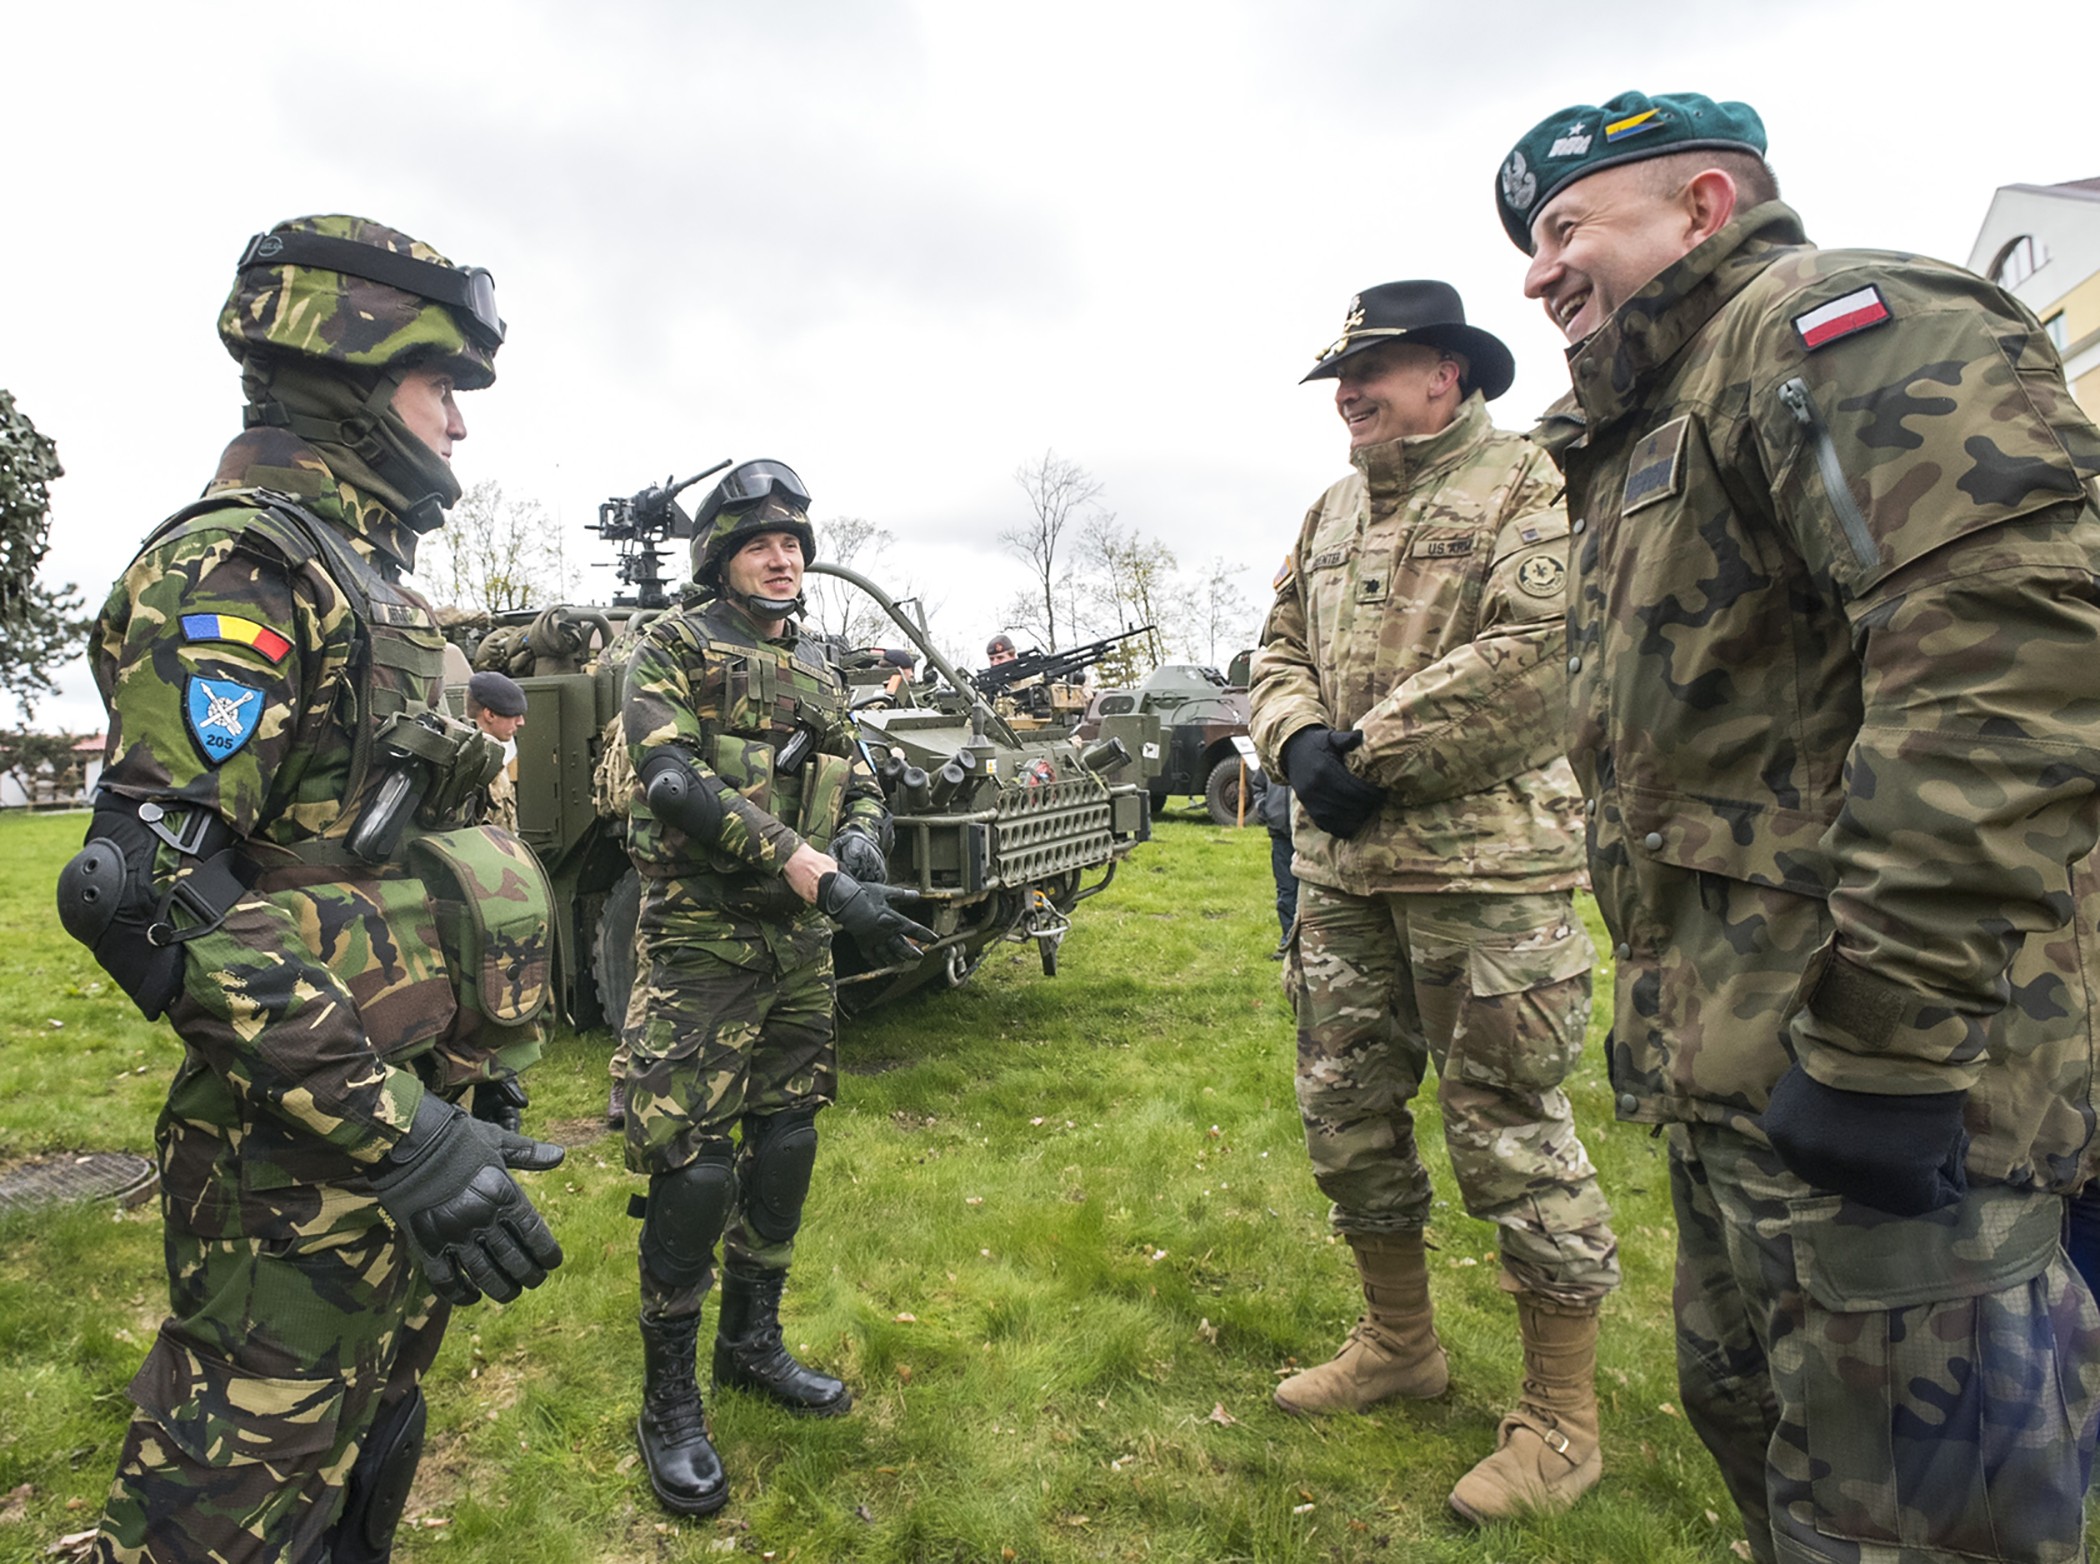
{"points": [[687, 1210], [780, 1151], [377, 1490]]}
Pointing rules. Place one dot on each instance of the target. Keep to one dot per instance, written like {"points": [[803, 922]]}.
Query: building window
{"points": [[2019, 260], [2059, 333]]}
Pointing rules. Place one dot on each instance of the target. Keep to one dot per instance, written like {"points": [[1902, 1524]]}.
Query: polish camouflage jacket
{"points": [[1422, 604], [1836, 689], [703, 680], [314, 1018]]}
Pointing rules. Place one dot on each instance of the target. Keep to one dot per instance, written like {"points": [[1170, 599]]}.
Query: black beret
{"points": [[498, 693]]}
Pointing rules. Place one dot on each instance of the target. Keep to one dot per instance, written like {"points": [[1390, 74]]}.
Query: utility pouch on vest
{"points": [[495, 920], [823, 799], [433, 764]]}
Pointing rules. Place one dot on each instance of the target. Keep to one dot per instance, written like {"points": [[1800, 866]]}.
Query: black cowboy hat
{"points": [[1429, 313]]}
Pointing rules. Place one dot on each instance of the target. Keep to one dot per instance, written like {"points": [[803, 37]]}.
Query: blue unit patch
{"points": [[223, 715]]}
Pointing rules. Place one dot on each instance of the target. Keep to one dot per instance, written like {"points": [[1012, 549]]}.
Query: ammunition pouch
{"points": [[433, 767], [495, 921], [107, 900], [824, 781]]}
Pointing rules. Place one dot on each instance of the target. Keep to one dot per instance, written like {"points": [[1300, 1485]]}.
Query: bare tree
{"points": [[40, 626], [1128, 580], [1059, 494], [1223, 614], [836, 608], [495, 555]]}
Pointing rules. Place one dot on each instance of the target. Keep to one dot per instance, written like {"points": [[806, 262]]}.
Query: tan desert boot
{"points": [[1393, 1351], [1546, 1454]]}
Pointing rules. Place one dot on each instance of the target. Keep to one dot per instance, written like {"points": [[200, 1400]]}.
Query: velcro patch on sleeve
{"points": [[1840, 318], [241, 632], [222, 714]]}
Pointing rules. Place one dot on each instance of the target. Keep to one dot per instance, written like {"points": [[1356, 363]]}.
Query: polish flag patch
{"points": [[1842, 317]]}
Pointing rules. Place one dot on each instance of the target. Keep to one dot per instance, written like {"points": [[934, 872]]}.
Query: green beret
{"points": [[1576, 142]]}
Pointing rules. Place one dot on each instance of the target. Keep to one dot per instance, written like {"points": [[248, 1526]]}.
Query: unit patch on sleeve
{"points": [[223, 715], [1541, 575], [1657, 469], [242, 632], [1841, 317]]}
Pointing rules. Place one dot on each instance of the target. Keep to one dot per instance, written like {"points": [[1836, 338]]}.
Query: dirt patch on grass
{"points": [[570, 1133]]}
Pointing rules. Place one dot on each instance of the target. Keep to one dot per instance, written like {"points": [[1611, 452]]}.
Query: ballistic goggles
{"points": [[749, 482], [469, 291]]}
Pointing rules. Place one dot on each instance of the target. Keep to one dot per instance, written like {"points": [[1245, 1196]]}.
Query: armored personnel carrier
{"points": [[1000, 833]]}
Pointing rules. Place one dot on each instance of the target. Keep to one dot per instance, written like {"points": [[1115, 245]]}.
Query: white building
{"points": [[2042, 243]]}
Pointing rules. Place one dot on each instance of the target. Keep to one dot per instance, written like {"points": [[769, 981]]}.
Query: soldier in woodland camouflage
{"points": [[342, 959], [756, 817], [1409, 688], [1836, 710]]}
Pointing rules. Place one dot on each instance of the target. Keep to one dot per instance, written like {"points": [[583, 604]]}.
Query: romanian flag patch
{"points": [[242, 632], [1841, 317], [1633, 125]]}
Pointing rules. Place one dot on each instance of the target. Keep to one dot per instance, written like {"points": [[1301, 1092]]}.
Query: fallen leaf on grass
{"points": [[76, 1503], [973, 1200], [626, 1463], [1740, 1547], [1208, 1332], [862, 1513], [1301, 1509], [74, 1542], [904, 1372], [17, 1506], [1667, 1410], [906, 1319], [1223, 1418]]}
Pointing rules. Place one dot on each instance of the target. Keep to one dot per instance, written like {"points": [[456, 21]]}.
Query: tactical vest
{"points": [[445, 945], [751, 699]]}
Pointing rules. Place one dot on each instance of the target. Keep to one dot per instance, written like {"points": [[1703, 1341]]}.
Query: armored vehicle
{"points": [[1180, 721], [999, 833]]}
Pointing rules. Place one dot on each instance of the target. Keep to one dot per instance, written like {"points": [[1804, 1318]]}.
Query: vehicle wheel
{"points": [[1222, 794], [612, 948]]}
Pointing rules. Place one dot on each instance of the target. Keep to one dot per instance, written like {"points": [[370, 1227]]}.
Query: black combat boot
{"points": [[683, 1467], [749, 1354]]}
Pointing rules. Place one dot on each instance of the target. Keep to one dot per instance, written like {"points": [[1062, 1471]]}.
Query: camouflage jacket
{"points": [[1422, 604], [1836, 703], [324, 982], [703, 681]]}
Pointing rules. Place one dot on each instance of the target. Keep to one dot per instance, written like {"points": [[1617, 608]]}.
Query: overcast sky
{"points": [[908, 247]]}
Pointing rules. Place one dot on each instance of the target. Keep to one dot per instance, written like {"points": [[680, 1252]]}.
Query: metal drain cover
{"points": [[71, 1178]]}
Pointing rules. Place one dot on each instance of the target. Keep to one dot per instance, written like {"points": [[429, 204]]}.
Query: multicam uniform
{"points": [[1423, 607], [1833, 633], [247, 660], [731, 1023]]}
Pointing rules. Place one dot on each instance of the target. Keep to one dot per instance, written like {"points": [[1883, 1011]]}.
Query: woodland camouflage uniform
{"points": [[732, 1015], [247, 661], [1836, 699]]}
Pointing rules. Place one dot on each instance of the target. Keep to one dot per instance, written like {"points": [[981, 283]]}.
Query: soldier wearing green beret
{"points": [[1408, 689], [280, 861], [755, 819], [1832, 627]]}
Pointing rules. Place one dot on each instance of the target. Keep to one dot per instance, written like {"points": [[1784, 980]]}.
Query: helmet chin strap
{"points": [[769, 607]]}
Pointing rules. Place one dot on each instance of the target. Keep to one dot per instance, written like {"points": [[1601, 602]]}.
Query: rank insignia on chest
{"points": [[1842, 317], [1656, 471], [223, 715], [1541, 575]]}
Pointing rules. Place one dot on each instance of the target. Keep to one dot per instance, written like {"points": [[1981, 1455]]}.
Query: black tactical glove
{"points": [[883, 934], [1340, 802], [1902, 1155], [463, 1217], [502, 1103], [860, 855]]}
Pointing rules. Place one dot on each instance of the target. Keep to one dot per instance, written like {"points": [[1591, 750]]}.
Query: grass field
{"points": [[1062, 1243]]}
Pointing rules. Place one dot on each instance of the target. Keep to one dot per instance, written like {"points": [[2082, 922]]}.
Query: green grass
{"points": [[1062, 1242]]}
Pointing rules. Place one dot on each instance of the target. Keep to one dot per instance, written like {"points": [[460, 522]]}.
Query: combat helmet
{"points": [[753, 497], [348, 291]]}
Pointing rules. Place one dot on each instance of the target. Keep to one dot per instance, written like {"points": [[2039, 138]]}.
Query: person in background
{"points": [[496, 705]]}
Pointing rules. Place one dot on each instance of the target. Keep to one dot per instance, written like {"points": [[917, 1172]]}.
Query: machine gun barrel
{"points": [[635, 524], [1050, 667]]}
